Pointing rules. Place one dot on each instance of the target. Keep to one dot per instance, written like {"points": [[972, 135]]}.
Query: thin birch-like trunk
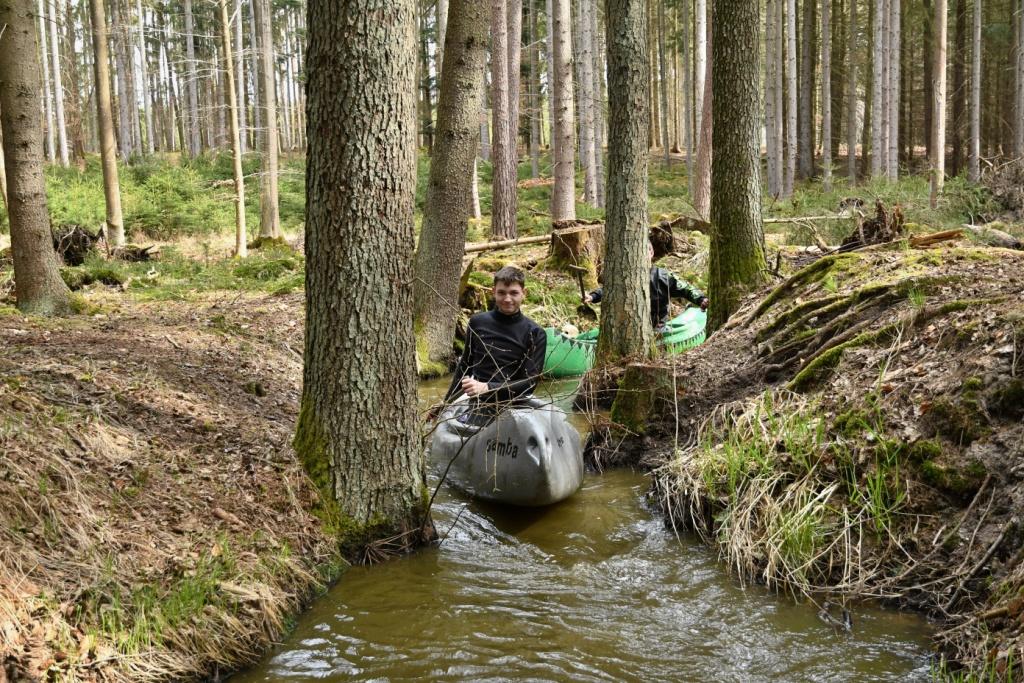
{"points": [[254, 75], [51, 149], [58, 85], [585, 62], [192, 84], [879, 88], [700, 32], [974, 148], [893, 156], [771, 128], [598, 108], [791, 100], [851, 96], [826, 94], [228, 71], [939, 105], [243, 135]]}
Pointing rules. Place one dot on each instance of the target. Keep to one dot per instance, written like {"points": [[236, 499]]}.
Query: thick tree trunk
{"points": [[503, 192], [563, 195], [270, 218], [236, 142], [737, 259], [108, 154], [974, 148], [452, 168], [58, 84], [51, 147], [791, 100], [38, 286], [625, 312], [192, 92], [939, 104], [851, 95], [805, 111], [357, 434], [826, 94], [893, 101]]}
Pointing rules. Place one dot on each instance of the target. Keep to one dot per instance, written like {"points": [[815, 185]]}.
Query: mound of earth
{"points": [[154, 521], [856, 431]]}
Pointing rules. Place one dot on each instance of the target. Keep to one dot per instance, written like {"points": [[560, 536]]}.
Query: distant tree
{"points": [[851, 101], [38, 286], [826, 94], [791, 100], [108, 154], [270, 218], [503, 195], [939, 105], [236, 141], [563, 195], [625, 313], [58, 83], [974, 148], [192, 79], [737, 259], [805, 110], [447, 210], [705, 149], [357, 432]]}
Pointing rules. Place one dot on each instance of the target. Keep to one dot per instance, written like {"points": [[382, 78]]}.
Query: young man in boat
{"points": [[504, 353], [664, 287]]}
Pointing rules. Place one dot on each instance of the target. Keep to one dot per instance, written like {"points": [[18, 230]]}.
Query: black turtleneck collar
{"points": [[508, 319]]}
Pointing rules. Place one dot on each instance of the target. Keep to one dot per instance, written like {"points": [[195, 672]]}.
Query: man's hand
{"points": [[473, 387], [587, 299], [704, 303]]}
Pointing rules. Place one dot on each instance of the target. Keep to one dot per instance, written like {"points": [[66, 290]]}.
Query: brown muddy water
{"points": [[592, 589]]}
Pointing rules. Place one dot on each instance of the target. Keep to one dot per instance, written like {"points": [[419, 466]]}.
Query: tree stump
{"points": [[579, 245]]}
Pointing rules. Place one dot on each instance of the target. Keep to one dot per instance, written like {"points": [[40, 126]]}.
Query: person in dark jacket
{"points": [[504, 353], [664, 287]]}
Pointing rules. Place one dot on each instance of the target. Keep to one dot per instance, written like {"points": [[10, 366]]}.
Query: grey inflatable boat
{"points": [[528, 454]]}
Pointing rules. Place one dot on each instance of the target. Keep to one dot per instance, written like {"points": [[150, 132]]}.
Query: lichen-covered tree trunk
{"points": [[108, 154], [447, 211], [357, 433], [737, 260], [563, 194], [270, 217], [38, 285], [625, 317]]}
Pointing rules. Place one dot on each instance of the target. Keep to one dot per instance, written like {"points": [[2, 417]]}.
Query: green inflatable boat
{"points": [[572, 356]]}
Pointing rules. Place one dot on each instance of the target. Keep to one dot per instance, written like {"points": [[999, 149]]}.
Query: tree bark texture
{"points": [[974, 147], [192, 85], [563, 195], [851, 96], [357, 433], [773, 131], [826, 94], [805, 111], [625, 312], [880, 87], [58, 83], [939, 105], [38, 286], [599, 52], [737, 259], [51, 149], [705, 150], [700, 57], [687, 93], [105, 118], [503, 193], [447, 211], [270, 217], [533, 91], [893, 100], [663, 83], [236, 135], [791, 100]]}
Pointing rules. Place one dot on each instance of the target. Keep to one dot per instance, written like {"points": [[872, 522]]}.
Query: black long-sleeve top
{"points": [[664, 287], [506, 351]]}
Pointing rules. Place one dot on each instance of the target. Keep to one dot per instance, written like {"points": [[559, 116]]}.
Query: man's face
{"points": [[508, 297]]}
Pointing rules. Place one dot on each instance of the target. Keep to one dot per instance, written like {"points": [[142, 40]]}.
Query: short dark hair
{"points": [[510, 275]]}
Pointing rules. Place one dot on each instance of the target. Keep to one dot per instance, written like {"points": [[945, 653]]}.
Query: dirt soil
{"points": [[154, 522], [893, 367]]}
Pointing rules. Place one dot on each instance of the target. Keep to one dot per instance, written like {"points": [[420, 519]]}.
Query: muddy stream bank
{"points": [[595, 588]]}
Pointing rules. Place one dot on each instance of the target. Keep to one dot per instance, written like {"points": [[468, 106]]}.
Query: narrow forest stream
{"points": [[595, 588]]}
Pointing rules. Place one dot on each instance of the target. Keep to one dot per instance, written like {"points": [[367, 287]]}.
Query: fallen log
{"points": [[993, 237]]}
